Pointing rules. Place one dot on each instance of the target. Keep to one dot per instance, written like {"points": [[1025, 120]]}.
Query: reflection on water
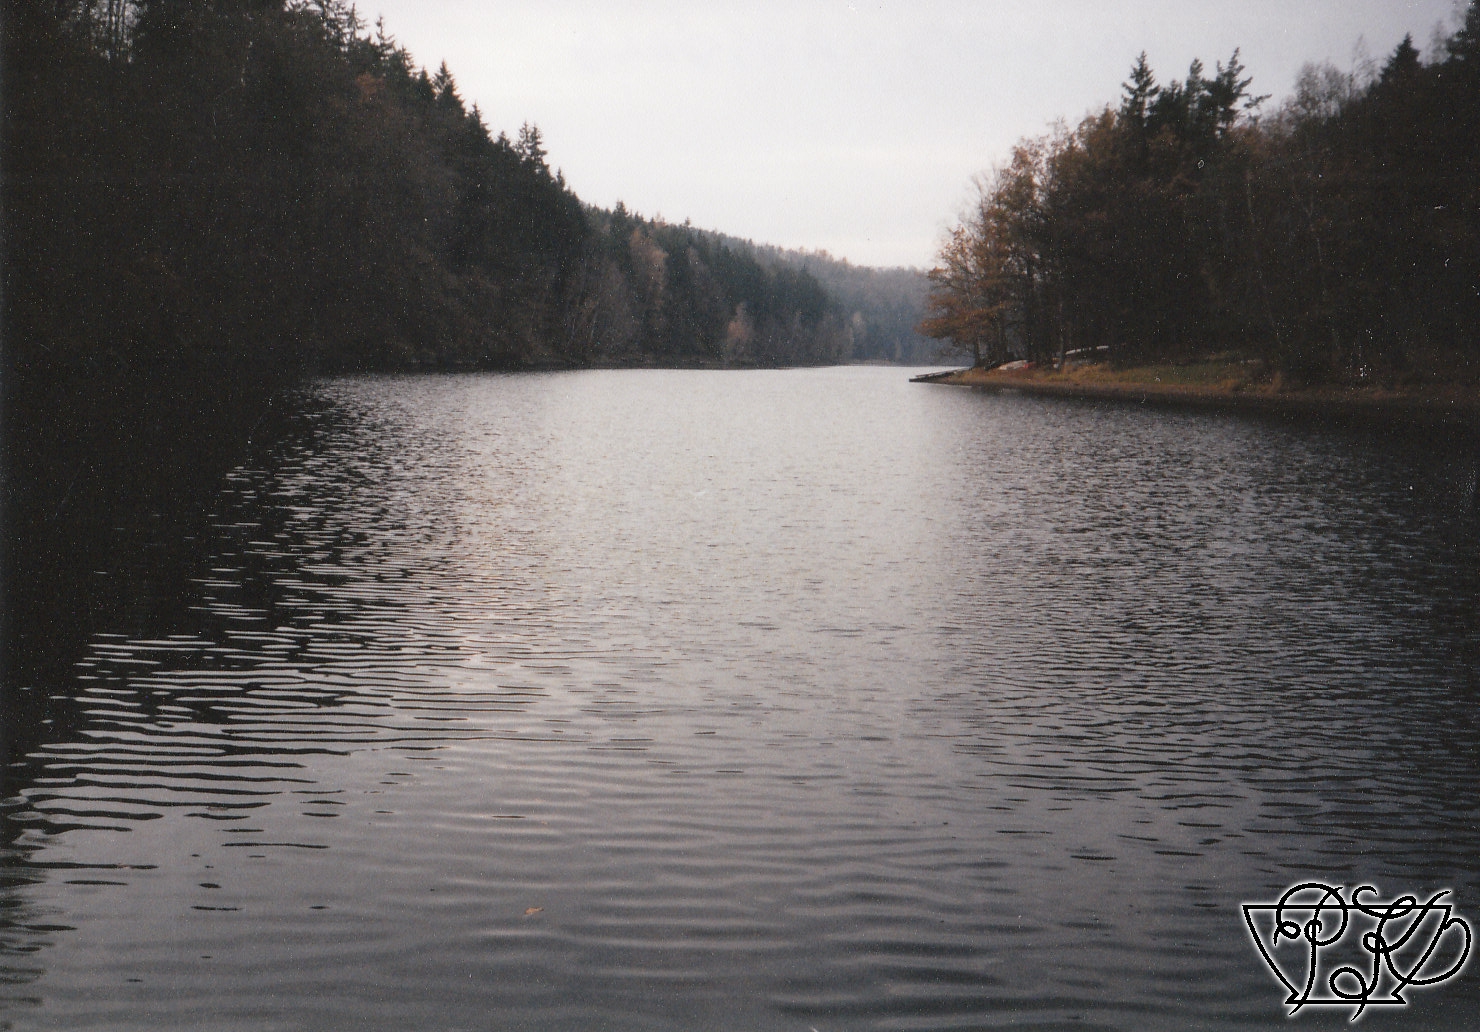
{"points": [[756, 700]]}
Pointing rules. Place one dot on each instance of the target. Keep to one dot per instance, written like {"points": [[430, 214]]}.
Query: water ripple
{"points": [[768, 700]]}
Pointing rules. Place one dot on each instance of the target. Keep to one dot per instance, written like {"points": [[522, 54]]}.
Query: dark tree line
{"points": [[1336, 238], [649, 292], [262, 185], [882, 306]]}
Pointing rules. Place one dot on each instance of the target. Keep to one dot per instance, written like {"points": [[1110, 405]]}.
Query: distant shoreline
{"points": [[1423, 405]]}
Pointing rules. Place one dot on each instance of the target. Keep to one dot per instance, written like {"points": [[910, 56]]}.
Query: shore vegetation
{"points": [[1329, 240]]}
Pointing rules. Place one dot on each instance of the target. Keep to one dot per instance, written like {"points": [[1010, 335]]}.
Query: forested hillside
{"points": [[265, 186], [882, 306], [649, 292], [1335, 238]]}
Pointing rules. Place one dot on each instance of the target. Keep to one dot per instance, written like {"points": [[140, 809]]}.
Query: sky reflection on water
{"points": [[757, 700]]}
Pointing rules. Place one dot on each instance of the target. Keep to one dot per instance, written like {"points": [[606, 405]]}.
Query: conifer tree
{"points": [[1140, 93]]}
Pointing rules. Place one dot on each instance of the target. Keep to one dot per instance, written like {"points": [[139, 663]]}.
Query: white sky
{"points": [[853, 127]]}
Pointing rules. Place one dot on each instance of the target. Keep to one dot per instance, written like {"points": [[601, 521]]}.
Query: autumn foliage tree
{"points": [[1335, 238]]}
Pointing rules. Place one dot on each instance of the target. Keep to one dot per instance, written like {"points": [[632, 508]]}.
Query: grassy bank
{"points": [[1231, 384]]}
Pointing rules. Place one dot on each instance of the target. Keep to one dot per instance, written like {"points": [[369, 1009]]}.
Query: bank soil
{"points": [[1227, 387]]}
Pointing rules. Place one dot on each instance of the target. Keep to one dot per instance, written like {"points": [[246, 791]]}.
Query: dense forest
{"points": [[263, 185], [1335, 239], [883, 306], [207, 200]]}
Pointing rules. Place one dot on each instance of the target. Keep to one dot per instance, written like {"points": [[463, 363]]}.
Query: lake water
{"points": [[756, 700]]}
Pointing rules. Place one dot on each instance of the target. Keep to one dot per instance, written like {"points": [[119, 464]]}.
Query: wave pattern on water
{"points": [[757, 700]]}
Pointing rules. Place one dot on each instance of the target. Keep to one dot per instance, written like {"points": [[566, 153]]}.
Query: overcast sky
{"points": [[852, 127]]}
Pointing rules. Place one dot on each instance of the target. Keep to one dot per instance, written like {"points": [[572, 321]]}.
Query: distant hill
{"points": [[882, 306]]}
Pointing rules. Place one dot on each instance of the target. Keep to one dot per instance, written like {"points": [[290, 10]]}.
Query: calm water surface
{"points": [[757, 700]]}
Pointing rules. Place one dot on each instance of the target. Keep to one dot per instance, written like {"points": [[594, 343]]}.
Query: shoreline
{"points": [[1446, 405]]}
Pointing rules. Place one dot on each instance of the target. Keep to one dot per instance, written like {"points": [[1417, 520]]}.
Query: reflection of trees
{"points": [[293, 588], [288, 630]]}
